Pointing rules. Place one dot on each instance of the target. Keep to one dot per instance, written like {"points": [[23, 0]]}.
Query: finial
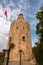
{"points": [[20, 16]]}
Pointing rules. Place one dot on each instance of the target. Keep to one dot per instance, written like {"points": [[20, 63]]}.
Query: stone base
{"points": [[31, 62]]}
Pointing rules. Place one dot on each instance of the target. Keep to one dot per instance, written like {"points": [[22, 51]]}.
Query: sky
{"points": [[28, 8]]}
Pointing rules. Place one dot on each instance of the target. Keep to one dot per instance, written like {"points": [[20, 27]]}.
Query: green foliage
{"points": [[11, 46], [1, 58], [38, 50], [39, 27]]}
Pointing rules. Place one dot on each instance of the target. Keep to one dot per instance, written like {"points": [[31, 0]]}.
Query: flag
{"points": [[5, 13]]}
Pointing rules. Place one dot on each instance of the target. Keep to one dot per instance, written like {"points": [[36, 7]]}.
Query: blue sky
{"points": [[29, 8]]}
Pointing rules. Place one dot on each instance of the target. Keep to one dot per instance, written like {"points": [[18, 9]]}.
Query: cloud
{"points": [[34, 40], [23, 4], [4, 29], [27, 7], [3, 42], [5, 24], [12, 11]]}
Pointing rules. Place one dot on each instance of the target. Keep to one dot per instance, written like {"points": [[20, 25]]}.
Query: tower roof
{"points": [[21, 14]]}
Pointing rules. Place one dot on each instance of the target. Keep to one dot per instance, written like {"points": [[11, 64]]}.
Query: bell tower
{"points": [[21, 38]]}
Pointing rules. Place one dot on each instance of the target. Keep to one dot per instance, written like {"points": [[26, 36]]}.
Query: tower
{"points": [[21, 38]]}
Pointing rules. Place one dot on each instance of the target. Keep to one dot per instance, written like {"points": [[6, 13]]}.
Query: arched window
{"points": [[23, 38], [16, 27], [23, 27]]}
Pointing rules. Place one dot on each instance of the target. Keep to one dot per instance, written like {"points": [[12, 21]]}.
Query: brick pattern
{"points": [[18, 29]]}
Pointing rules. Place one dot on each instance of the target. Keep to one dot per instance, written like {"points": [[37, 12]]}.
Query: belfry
{"points": [[20, 37]]}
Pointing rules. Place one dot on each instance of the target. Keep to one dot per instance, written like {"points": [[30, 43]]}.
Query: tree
{"points": [[38, 50], [4, 50], [1, 58], [11, 46]]}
